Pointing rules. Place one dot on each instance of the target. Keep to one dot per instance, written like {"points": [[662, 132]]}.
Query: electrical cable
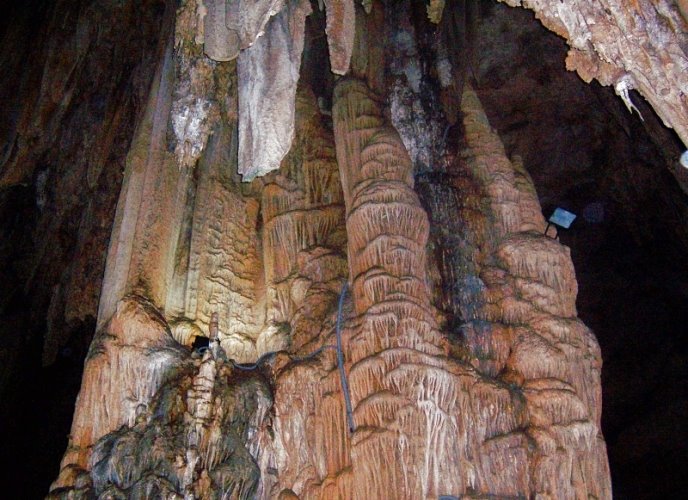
{"points": [[340, 360], [250, 367]]}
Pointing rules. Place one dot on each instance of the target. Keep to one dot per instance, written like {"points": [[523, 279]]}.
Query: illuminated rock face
{"points": [[513, 410], [505, 404]]}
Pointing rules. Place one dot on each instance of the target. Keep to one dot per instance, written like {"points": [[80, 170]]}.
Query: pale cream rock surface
{"points": [[268, 73]]}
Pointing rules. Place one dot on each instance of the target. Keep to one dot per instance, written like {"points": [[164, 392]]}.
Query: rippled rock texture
{"points": [[502, 400], [276, 151]]}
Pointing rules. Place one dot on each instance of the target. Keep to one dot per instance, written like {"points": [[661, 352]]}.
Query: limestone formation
{"points": [[133, 266], [192, 440], [220, 29], [469, 372], [537, 303], [129, 361], [189, 186], [267, 37], [340, 29], [268, 72], [226, 26], [204, 447], [387, 231], [303, 218]]}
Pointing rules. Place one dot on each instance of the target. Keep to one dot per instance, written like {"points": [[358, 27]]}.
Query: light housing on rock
{"points": [[684, 159], [562, 218]]}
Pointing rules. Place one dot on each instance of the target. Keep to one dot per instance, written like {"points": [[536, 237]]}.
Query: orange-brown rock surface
{"points": [[530, 370], [169, 424], [502, 401], [131, 358]]}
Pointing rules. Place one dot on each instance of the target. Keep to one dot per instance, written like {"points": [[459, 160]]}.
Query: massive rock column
{"points": [[509, 408], [512, 410], [395, 343], [523, 330]]}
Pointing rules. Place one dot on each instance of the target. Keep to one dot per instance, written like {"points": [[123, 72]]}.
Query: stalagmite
{"points": [[480, 417], [548, 347], [192, 440]]}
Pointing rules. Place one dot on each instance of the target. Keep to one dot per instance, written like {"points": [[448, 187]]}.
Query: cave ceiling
{"points": [[640, 45]]}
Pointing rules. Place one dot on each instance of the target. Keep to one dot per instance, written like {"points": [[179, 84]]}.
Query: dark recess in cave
{"points": [[70, 99], [582, 148]]}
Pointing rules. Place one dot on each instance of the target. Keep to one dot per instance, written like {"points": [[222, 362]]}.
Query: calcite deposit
{"points": [[271, 155], [508, 405], [340, 29], [268, 73], [271, 34]]}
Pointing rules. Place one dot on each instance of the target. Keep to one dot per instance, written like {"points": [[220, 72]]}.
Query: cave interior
{"points": [[76, 89]]}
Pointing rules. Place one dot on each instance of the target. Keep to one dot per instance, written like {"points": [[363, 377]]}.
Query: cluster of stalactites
{"points": [[267, 38]]}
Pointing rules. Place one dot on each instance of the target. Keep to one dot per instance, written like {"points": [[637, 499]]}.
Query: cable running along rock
{"points": [[340, 360]]}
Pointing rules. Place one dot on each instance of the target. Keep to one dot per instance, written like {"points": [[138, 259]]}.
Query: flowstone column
{"points": [[394, 341]]}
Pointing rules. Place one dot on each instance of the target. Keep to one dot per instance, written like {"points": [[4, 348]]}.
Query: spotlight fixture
{"points": [[560, 218], [684, 159]]}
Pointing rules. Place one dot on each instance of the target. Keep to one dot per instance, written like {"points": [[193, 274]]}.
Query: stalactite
{"points": [[226, 26], [220, 35], [268, 73], [340, 29]]}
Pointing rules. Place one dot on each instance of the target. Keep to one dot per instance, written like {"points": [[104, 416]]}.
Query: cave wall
{"points": [[71, 131], [630, 45], [73, 93]]}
